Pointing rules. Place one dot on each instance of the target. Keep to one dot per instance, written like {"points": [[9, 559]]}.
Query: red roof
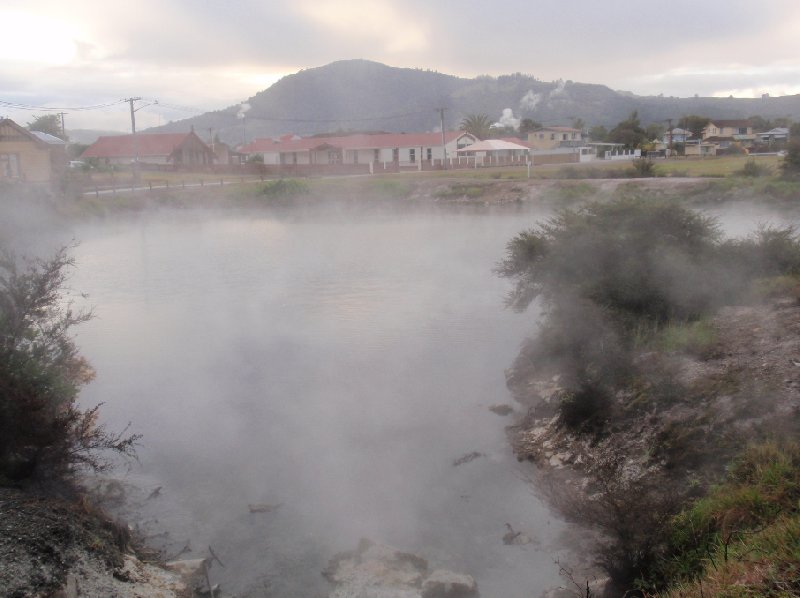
{"points": [[352, 142], [144, 144]]}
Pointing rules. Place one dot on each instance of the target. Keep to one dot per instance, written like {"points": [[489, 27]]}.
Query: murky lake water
{"points": [[337, 364]]}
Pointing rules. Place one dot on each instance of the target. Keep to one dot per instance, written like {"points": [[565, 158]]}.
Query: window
{"points": [[742, 130], [396, 155], [377, 155], [429, 154], [9, 166], [412, 155]]}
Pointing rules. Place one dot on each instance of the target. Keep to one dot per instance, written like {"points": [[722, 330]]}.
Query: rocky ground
{"points": [[53, 548], [743, 388]]}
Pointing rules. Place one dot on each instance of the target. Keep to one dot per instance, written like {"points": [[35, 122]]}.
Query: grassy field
{"points": [[713, 167]]}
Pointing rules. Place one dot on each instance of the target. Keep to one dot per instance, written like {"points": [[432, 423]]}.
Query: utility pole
{"points": [[133, 113], [669, 124], [135, 139], [444, 143], [63, 130]]}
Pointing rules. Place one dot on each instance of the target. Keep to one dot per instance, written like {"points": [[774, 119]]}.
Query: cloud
{"points": [[380, 22], [213, 55]]}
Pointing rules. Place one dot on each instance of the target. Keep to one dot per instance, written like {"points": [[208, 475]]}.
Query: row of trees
{"points": [[630, 132]]}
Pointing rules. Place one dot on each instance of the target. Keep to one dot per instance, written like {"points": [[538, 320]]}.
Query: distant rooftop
{"points": [[48, 138]]}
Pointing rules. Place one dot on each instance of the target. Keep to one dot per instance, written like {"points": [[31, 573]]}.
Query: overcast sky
{"points": [[199, 55]]}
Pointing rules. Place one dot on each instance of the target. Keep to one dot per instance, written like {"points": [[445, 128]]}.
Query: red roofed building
{"points": [[404, 149], [178, 149]]}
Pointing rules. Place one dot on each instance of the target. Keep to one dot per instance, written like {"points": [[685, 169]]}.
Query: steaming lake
{"points": [[336, 364]]}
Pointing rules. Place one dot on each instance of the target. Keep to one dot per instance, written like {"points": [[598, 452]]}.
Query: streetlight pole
{"points": [[444, 142]]}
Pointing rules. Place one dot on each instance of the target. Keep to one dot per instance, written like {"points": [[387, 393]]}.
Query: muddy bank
{"points": [[53, 547]]}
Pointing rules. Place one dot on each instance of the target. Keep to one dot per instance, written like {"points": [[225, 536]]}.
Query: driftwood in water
{"points": [[467, 458], [264, 507]]}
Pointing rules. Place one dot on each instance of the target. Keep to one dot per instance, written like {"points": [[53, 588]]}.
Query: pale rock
{"points": [[446, 584]]}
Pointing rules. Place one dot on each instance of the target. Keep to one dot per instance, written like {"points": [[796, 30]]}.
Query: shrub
{"points": [[283, 188], [791, 162], [43, 433], [643, 168], [637, 258], [752, 168]]}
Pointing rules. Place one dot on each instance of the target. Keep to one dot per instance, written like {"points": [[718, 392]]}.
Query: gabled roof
{"points": [[141, 144], [48, 138], [25, 133], [353, 142], [731, 123], [777, 131]]}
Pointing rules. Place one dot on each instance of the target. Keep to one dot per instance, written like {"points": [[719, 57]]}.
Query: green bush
{"points": [[643, 168], [283, 188], [752, 168], [43, 432], [636, 258], [791, 162], [761, 492]]}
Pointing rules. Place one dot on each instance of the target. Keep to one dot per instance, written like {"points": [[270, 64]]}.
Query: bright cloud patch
{"points": [[34, 39], [382, 23]]}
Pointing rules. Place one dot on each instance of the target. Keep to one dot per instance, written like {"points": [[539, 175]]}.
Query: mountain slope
{"points": [[363, 95]]}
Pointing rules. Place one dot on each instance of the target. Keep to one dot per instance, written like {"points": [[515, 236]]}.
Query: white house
{"points": [[405, 149]]}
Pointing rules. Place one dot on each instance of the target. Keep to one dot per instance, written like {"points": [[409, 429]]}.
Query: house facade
{"points": [[406, 150], [776, 136], [180, 150], [725, 133], [30, 156], [677, 135], [555, 137]]}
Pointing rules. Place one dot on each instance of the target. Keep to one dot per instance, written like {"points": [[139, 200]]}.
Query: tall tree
{"points": [[694, 123], [598, 133], [629, 132], [47, 123], [477, 124], [528, 125]]}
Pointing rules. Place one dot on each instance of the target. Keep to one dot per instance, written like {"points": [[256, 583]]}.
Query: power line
{"points": [[19, 106]]}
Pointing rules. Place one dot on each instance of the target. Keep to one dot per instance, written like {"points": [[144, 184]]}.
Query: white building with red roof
{"points": [[177, 149], [404, 149]]}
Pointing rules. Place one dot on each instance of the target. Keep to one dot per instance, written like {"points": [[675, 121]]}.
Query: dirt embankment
{"points": [[54, 548], [743, 388]]}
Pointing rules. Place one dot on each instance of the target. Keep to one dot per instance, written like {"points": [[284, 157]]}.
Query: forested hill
{"points": [[363, 95]]}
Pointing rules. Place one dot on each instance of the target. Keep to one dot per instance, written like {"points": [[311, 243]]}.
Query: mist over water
{"points": [[334, 364]]}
